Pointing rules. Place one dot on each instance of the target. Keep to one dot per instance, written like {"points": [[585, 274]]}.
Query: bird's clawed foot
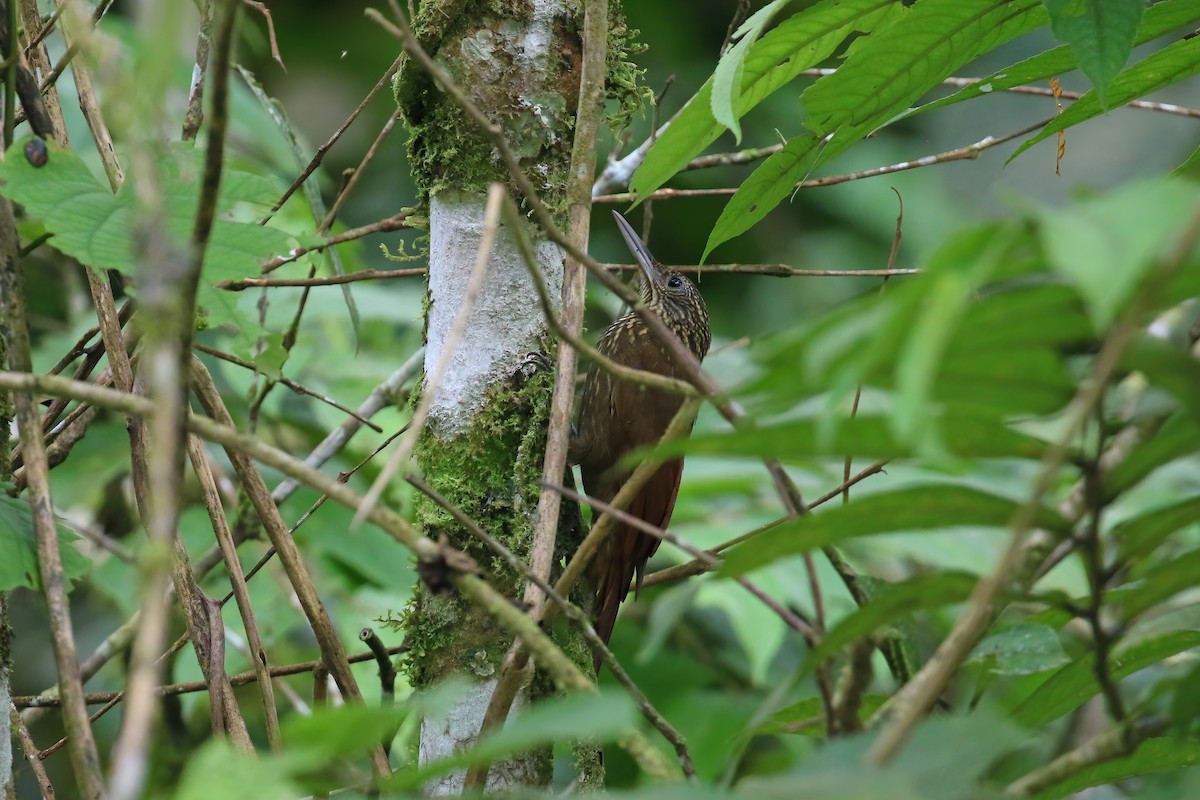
{"points": [[531, 364]]}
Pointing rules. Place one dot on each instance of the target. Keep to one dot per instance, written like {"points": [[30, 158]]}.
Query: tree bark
{"points": [[7, 787], [483, 446]]}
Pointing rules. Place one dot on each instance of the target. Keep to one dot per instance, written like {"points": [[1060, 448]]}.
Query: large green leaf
{"points": [[1178, 437], [914, 508], [1041, 314], [608, 713], [1168, 367], [957, 269], [799, 42], [218, 770], [943, 760], [1075, 684], [1107, 244], [1003, 382], [894, 67], [343, 731], [766, 187], [1158, 583], [100, 229], [1172, 64], [1101, 32], [867, 436], [1140, 535], [1160, 18], [896, 603], [1022, 649], [727, 78], [882, 75], [1006, 357], [1151, 756], [18, 548]]}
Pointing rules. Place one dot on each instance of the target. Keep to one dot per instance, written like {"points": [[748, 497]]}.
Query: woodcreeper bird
{"points": [[618, 416]]}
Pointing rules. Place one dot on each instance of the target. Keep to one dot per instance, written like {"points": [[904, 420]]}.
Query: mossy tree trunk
{"points": [[519, 61], [7, 787]]}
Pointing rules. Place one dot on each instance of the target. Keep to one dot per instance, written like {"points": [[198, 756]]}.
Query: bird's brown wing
{"points": [[629, 549], [616, 418]]}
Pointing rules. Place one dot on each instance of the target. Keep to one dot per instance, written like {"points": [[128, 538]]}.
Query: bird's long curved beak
{"points": [[638, 248]]}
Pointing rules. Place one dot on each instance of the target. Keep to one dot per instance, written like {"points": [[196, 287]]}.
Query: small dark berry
{"points": [[36, 153]]}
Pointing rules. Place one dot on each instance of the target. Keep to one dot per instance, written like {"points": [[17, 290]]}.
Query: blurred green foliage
{"points": [[966, 375]]}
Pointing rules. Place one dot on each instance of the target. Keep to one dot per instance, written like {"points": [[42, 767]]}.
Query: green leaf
{"points": [[1186, 169], [18, 548], [343, 731], [1003, 382], [1006, 357], [1159, 19], [1168, 367], [1101, 32], [666, 613], [1159, 583], [1178, 437], [914, 508], [943, 760], [805, 717], [766, 187], [1151, 756], [1185, 705], [1107, 244], [956, 270], [894, 67], [1042, 315], [99, 228], [1172, 64], [218, 770], [1138, 536], [609, 714], [868, 436], [675, 791], [799, 42], [896, 603], [1021, 649], [1075, 684], [727, 79]]}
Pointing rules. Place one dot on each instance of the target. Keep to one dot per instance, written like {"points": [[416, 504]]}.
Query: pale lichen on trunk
{"points": [[503, 326]]}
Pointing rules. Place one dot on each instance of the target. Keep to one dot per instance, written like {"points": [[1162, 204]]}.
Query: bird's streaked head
{"points": [[671, 295]]}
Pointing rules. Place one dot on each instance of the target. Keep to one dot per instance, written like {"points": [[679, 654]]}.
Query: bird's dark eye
{"points": [[675, 282]]}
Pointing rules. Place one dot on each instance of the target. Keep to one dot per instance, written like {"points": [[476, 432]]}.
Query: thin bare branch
{"points": [[319, 156], [295, 386], [85, 760], [289, 554], [966, 153], [1119, 742], [387, 225], [189, 687], [31, 754], [327, 223], [237, 581]]}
